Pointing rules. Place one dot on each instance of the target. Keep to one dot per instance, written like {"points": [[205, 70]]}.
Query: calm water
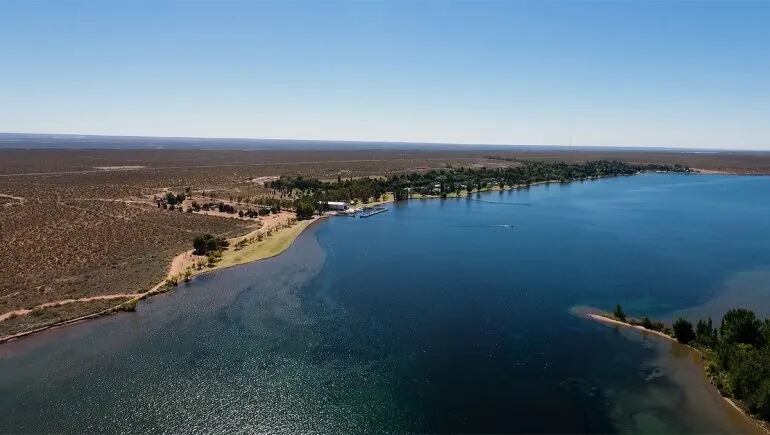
{"points": [[437, 316]]}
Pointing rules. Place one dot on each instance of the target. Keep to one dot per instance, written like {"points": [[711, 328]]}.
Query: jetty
{"points": [[371, 211]]}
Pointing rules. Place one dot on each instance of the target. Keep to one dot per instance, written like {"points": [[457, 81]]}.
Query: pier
{"points": [[371, 211]]}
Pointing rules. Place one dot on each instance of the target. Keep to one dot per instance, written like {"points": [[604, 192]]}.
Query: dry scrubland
{"points": [[72, 229]]}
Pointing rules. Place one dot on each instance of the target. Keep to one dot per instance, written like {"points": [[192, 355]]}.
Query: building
{"points": [[337, 205]]}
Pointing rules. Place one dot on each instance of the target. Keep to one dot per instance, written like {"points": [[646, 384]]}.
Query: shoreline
{"points": [[605, 319], [163, 286], [183, 260]]}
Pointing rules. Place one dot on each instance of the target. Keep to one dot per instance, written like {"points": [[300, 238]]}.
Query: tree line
{"points": [[440, 182]]}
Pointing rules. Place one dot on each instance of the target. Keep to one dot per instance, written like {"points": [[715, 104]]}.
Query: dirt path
{"points": [[17, 198], [24, 311]]}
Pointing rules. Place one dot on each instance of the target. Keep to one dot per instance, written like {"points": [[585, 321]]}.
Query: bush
{"points": [[226, 208], [212, 261], [762, 400]]}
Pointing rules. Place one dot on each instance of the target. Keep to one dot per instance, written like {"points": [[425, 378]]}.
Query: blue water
{"points": [[437, 316]]}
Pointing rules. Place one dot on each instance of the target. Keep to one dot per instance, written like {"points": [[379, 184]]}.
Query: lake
{"points": [[451, 315]]}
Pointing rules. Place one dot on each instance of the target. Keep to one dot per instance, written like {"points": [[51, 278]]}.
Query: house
{"points": [[337, 205]]}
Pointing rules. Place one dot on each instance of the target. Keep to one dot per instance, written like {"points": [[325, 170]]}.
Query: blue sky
{"points": [[680, 74]]}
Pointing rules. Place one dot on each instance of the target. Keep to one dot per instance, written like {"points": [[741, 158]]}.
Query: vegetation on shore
{"points": [[736, 354], [450, 181]]}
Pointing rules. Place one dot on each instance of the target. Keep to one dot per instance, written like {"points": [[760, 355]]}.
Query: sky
{"points": [[653, 73]]}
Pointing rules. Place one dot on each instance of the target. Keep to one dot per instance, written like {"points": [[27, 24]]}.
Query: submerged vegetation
{"points": [[314, 193], [737, 354]]}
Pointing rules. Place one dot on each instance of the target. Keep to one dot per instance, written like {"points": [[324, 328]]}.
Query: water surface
{"points": [[437, 316]]}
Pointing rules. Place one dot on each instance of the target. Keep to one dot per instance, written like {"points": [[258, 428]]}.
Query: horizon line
{"points": [[374, 141]]}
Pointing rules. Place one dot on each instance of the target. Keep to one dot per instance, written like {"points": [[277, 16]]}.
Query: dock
{"points": [[371, 211]]}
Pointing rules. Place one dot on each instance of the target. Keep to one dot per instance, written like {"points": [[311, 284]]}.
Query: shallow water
{"points": [[436, 316]]}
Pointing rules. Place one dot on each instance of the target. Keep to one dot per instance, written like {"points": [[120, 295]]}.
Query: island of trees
{"points": [[314, 193], [736, 354]]}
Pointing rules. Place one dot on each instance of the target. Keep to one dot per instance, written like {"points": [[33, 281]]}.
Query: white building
{"points": [[337, 205]]}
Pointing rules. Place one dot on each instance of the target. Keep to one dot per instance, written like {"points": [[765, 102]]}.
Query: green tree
{"points": [[305, 209], [211, 245], [705, 333], [170, 198], [619, 314], [741, 326], [683, 331], [199, 244], [208, 243]]}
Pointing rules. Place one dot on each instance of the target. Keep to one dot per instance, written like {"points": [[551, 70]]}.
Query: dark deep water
{"points": [[437, 316]]}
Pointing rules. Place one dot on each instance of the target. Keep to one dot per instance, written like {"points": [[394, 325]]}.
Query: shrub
{"points": [[212, 259], [762, 400]]}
